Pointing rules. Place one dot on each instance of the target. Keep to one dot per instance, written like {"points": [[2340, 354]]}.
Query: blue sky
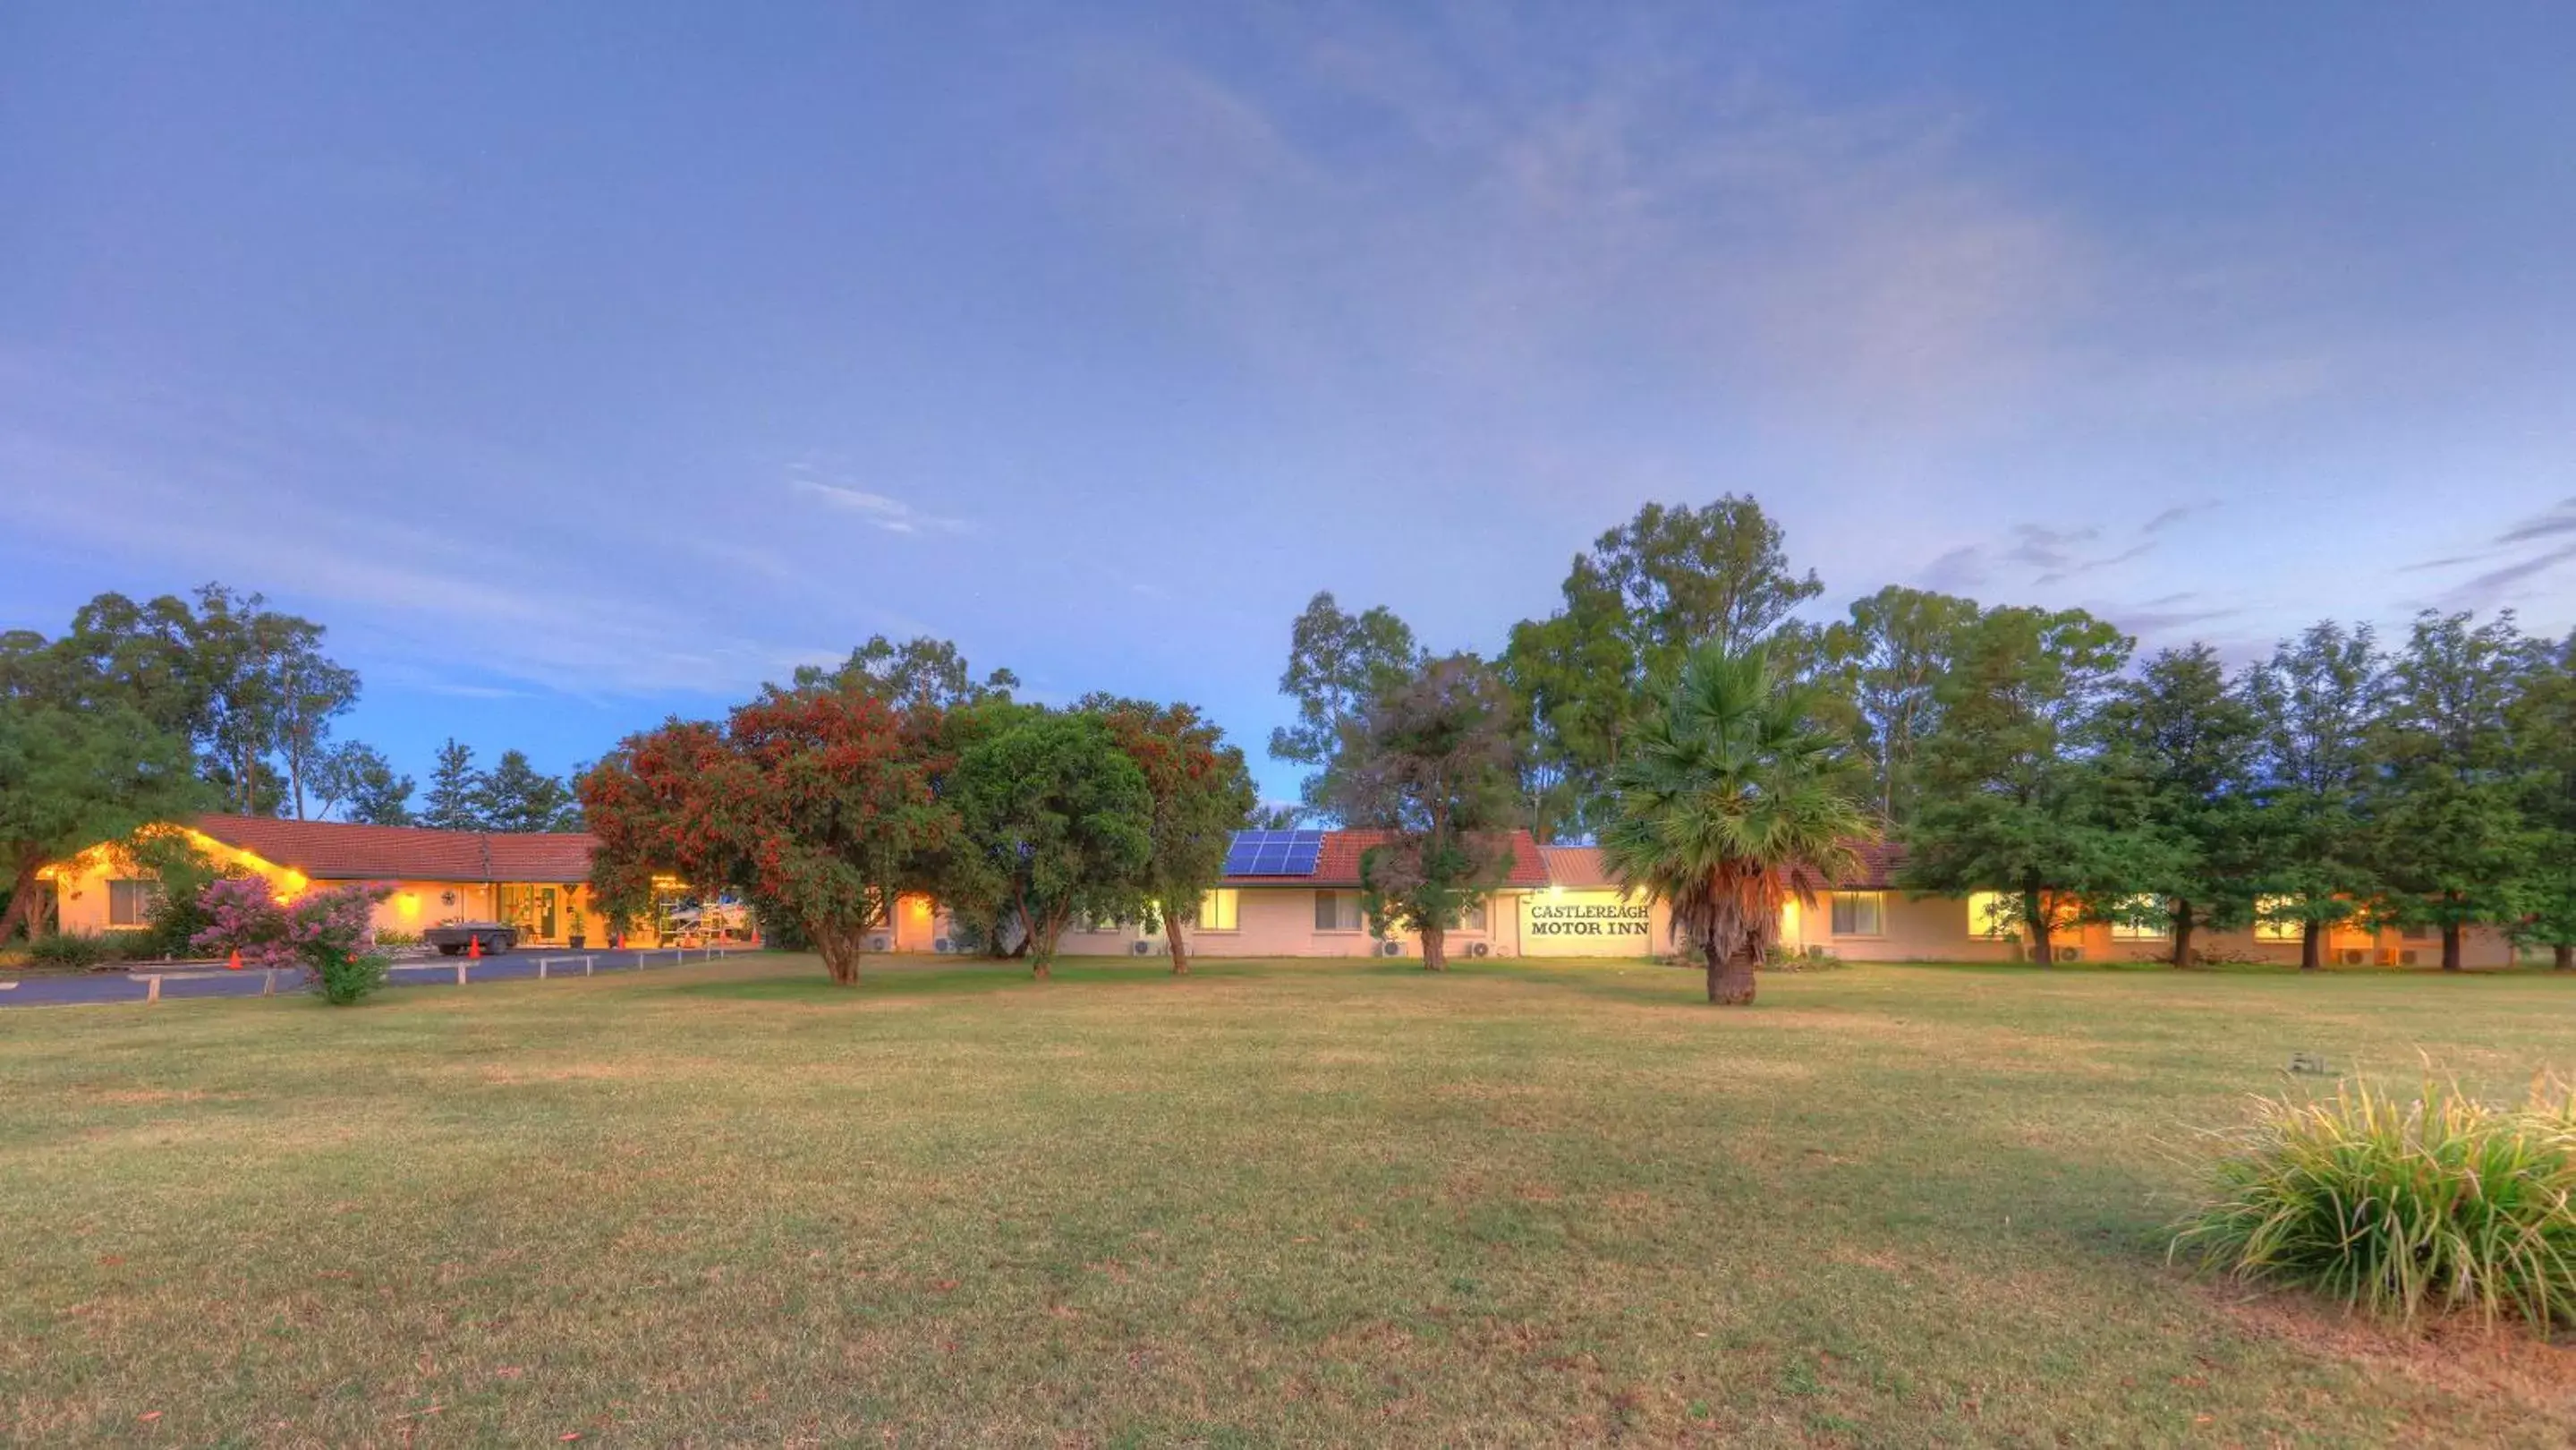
{"points": [[584, 364]]}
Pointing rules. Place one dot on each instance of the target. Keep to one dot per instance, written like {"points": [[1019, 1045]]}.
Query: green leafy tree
{"points": [[1645, 596], [251, 659], [2543, 728], [2316, 703], [919, 673], [1429, 762], [1201, 793], [1568, 717], [357, 781], [2189, 741], [456, 794], [1731, 802], [1886, 662], [1063, 823], [312, 693], [249, 686], [72, 778], [1337, 663], [515, 796], [2017, 796], [2448, 838]]}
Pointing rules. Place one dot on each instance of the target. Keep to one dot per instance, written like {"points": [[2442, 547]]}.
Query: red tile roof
{"points": [[1577, 867], [1338, 865], [1876, 868], [1580, 867], [339, 851]]}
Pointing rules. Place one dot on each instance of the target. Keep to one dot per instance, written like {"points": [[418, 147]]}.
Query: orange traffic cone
{"points": [[474, 948], [235, 963]]}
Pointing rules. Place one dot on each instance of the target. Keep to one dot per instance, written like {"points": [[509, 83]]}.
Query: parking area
{"points": [[144, 985]]}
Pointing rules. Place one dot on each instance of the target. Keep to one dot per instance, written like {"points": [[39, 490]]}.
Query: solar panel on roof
{"points": [[1274, 853]]}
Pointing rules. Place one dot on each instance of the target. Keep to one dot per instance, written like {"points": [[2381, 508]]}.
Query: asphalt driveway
{"points": [[202, 981]]}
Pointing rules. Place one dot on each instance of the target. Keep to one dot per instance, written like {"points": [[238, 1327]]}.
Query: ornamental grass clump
{"points": [[2402, 1209]]}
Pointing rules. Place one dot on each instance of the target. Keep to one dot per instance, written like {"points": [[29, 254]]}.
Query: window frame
{"points": [[1358, 918], [141, 895], [1877, 909], [1231, 898]]}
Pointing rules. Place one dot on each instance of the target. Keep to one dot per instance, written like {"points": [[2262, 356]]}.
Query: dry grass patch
{"points": [[1264, 1204]]}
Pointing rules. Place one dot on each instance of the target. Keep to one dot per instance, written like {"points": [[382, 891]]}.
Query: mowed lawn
{"points": [[1268, 1203]]}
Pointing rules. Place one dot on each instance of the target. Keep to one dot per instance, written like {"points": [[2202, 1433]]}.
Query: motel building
{"points": [[537, 882], [1284, 894]]}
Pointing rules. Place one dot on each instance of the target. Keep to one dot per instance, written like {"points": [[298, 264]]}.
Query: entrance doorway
{"points": [[532, 910]]}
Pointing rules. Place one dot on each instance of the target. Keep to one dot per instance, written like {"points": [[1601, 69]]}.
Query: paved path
{"points": [[200, 981]]}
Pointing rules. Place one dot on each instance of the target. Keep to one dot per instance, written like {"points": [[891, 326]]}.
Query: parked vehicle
{"points": [[452, 938]]}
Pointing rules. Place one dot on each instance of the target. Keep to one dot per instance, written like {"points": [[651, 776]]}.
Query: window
{"points": [[2273, 921], [2415, 933], [1473, 918], [1859, 913], [1337, 911], [129, 903], [2135, 920], [1990, 915], [1217, 910]]}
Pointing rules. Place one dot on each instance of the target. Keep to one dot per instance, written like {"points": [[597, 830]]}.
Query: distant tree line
{"points": [[2428, 783], [153, 711]]}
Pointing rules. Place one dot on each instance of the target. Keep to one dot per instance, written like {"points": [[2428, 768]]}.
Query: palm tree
{"points": [[1730, 802]]}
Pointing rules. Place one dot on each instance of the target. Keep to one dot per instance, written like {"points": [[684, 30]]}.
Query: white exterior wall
{"points": [[1279, 921]]}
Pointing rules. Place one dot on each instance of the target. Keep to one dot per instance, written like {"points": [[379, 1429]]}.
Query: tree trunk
{"points": [[839, 950], [2182, 925], [2311, 945], [1435, 949], [1730, 976], [22, 900], [2042, 940], [2450, 946], [2562, 956], [1180, 950]]}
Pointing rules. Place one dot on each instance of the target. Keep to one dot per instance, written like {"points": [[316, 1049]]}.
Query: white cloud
{"points": [[890, 514]]}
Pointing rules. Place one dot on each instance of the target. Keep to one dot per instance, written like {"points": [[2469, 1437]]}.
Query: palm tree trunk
{"points": [[1730, 977]]}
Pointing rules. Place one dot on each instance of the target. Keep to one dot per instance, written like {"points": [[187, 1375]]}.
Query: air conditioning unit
{"points": [[880, 943], [2407, 957], [1479, 949], [2070, 954], [1140, 949], [2353, 956], [941, 945], [1390, 949]]}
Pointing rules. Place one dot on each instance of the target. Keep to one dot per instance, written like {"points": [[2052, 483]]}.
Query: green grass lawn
{"points": [[1271, 1202]]}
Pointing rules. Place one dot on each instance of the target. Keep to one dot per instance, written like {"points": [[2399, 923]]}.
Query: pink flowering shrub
{"points": [[329, 931], [244, 915]]}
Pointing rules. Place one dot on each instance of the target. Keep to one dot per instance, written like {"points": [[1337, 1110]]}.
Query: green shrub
{"points": [[398, 938], [1795, 959], [71, 949], [2443, 1204], [343, 979]]}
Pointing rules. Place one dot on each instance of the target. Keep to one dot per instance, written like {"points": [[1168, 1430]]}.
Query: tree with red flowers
{"points": [[1201, 793], [816, 802]]}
